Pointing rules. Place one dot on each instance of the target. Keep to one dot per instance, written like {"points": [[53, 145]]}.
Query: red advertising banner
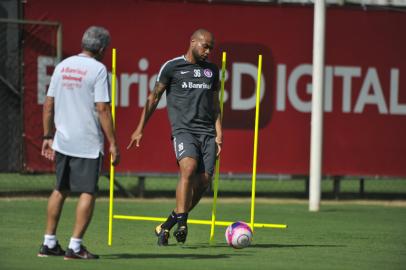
{"points": [[365, 77]]}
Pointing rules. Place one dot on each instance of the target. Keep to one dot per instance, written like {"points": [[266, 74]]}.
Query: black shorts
{"points": [[200, 147], [77, 174]]}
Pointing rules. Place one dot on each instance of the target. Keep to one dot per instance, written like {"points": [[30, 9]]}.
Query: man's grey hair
{"points": [[95, 38]]}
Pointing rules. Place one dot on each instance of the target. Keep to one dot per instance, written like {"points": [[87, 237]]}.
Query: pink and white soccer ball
{"points": [[239, 235]]}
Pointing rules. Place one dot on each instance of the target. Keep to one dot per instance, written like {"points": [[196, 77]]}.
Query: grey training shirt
{"points": [[190, 90]]}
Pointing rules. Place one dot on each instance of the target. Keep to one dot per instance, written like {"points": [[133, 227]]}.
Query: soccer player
{"points": [[77, 103], [191, 84]]}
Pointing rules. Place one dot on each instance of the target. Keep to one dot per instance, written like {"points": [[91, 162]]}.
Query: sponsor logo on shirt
{"points": [[191, 85], [78, 71], [71, 78], [208, 73]]}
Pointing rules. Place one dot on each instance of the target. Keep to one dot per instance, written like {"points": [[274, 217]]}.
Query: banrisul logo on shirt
{"points": [[191, 85], [208, 73]]}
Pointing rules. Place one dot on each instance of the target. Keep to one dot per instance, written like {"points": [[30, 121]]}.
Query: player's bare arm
{"points": [[218, 124], [48, 124], [149, 109], [106, 122]]}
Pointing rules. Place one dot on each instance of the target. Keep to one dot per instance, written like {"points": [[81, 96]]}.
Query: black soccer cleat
{"points": [[45, 251], [180, 234], [82, 254], [162, 234]]}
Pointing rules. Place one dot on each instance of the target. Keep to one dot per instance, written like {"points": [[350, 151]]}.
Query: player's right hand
{"points": [[135, 139]]}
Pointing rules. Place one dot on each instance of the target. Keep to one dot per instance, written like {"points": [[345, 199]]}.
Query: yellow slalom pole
{"points": [[200, 221], [217, 172], [254, 159], [113, 115]]}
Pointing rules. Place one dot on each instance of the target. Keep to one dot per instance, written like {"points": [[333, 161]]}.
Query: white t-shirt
{"points": [[77, 83]]}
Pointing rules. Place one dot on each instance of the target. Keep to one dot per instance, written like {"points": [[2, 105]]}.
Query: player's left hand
{"points": [[47, 150]]}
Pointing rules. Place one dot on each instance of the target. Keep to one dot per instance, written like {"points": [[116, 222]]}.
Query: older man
{"points": [[77, 103]]}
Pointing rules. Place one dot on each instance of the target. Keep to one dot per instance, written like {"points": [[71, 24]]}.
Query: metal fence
{"points": [[158, 186], [16, 36], [10, 90]]}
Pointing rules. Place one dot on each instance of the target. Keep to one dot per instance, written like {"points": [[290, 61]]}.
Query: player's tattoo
{"points": [[153, 99], [159, 89]]}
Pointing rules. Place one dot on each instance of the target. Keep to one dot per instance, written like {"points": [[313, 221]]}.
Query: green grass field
{"points": [[341, 236]]}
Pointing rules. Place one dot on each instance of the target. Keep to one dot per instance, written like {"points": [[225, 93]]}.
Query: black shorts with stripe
{"points": [[198, 146]]}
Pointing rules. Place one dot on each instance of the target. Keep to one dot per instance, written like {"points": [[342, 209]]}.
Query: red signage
{"points": [[364, 102]]}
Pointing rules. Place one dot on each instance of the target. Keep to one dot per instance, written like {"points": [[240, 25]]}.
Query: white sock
{"points": [[50, 240], [75, 243]]}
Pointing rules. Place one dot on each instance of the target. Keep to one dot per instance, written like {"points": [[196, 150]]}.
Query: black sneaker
{"points": [[45, 251], [180, 234], [82, 254], [162, 234]]}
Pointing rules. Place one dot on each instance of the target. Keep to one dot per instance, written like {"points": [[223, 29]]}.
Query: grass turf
{"points": [[341, 236]]}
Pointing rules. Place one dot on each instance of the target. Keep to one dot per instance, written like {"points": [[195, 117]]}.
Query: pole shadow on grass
{"points": [[293, 246], [203, 246], [165, 256]]}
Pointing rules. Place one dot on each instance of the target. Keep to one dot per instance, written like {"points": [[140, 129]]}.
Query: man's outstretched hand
{"points": [[135, 139]]}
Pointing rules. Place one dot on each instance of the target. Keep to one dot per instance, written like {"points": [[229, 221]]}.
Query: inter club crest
{"points": [[208, 73]]}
